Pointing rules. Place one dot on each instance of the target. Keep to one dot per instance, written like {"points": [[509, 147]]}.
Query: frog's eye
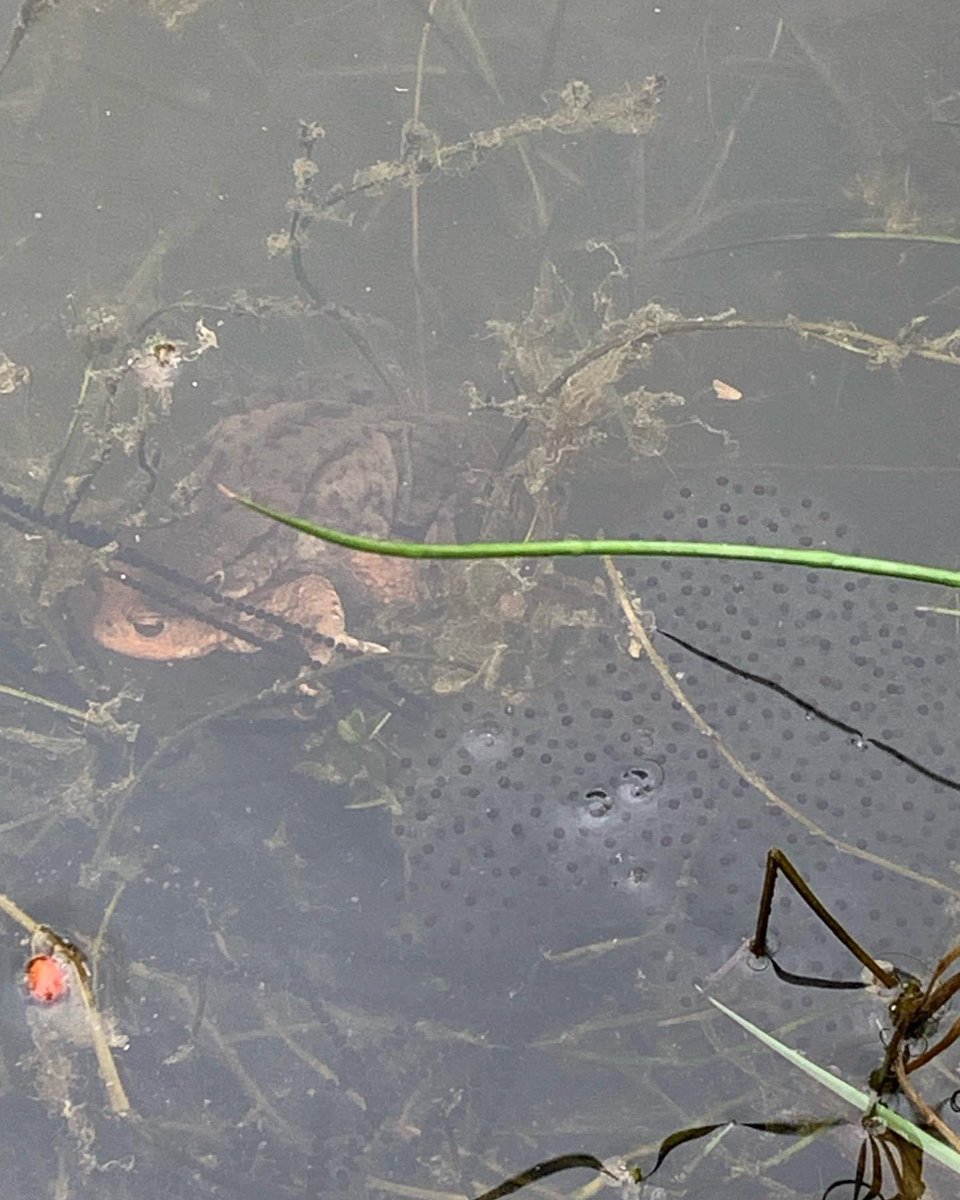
{"points": [[150, 628]]}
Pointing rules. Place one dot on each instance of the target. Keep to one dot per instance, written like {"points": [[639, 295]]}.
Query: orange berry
{"points": [[47, 979]]}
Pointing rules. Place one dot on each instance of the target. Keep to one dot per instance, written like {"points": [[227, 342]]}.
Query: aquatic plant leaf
{"points": [[551, 1166], [624, 1173], [854, 1096], [595, 547]]}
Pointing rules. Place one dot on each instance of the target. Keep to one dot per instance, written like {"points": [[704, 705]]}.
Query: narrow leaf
{"points": [[854, 1096], [566, 1162], [568, 547]]}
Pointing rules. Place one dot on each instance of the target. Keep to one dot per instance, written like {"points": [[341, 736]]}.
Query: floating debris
{"points": [[47, 979], [726, 391]]}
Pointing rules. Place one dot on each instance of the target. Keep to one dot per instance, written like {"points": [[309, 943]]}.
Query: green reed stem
{"points": [[578, 547]]}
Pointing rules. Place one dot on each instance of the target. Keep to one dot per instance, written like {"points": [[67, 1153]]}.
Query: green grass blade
{"points": [[596, 546], [858, 1099], [838, 235]]}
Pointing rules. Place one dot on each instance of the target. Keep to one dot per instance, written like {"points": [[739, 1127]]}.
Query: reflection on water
{"points": [[409, 924]]}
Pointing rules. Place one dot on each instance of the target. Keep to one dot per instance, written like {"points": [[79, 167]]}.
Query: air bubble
{"points": [[599, 803], [636, 879], [638, 781], [483, 740]]}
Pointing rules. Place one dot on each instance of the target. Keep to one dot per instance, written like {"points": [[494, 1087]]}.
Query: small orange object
{"points": [[47, 980]]}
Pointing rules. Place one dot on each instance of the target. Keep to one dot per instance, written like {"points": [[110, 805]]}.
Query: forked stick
{"points": [[777, 861]]}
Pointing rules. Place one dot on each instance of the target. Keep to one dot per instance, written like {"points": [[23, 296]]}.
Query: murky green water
{"points": [[411, 923]]}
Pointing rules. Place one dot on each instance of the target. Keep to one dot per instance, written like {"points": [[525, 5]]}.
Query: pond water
{"points": [[406, 923]]}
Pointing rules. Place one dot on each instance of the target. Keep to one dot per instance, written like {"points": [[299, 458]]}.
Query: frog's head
{"points": [[129, 622]]}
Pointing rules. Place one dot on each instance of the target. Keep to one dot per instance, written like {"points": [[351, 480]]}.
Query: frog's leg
{"points": [[311, 602]]}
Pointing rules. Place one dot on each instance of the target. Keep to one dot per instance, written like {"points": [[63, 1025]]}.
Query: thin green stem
{"points": [[579, 547]]}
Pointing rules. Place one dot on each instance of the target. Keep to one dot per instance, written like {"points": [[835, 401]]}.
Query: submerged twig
{"points": [[44, 940], [914, 1011], [97, 714], [779, 863], [646, 326], [922, 1107], [632, 110]]}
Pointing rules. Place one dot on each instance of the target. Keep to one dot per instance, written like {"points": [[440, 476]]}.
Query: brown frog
{"points": [[336, 464]]}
